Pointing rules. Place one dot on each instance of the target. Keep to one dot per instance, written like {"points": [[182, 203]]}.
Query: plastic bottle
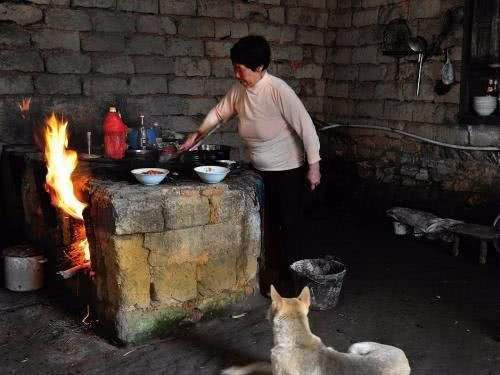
{"points": [[115, 135], [490, 89], [156, 134]]}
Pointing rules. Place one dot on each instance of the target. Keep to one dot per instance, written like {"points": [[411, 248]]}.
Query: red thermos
{"points": [[115, 135]]}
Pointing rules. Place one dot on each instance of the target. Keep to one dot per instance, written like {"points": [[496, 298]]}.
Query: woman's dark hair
{"points": [[252, 51]]}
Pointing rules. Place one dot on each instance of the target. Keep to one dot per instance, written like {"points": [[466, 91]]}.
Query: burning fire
{"points": [[24, 107], [61, 163]]}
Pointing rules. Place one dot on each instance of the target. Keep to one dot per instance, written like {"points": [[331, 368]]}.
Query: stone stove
{"points": [[158, 253]]}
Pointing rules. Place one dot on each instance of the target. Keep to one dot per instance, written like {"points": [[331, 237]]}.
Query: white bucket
{"points": [[23, 274], [399, 228]]}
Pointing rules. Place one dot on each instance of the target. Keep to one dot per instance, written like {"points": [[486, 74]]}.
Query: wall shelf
{"points": [[398, 54], [474, 119], [480, 58]]}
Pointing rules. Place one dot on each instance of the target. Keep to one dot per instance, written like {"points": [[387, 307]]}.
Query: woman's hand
{"points": [[190, 141], [313, 175]]}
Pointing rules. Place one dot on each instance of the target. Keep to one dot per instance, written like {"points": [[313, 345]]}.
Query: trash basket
{"points": [[400, 229], [324, 278]]}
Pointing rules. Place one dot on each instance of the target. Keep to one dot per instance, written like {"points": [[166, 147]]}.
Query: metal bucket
{"points": [[400, 229], [323, 276], [23, 269]]}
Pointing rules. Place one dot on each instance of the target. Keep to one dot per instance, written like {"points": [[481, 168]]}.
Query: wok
{"points": [[205, 153]]}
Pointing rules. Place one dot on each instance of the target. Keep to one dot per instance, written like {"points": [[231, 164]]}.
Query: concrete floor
{"points": [[444, 312]]}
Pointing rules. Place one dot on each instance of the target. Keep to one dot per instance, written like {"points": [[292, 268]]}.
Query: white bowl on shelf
{"points": [[211, 174], [149, 176], [485, 105]]}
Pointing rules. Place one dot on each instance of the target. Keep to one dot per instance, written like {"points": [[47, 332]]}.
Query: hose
{"points": [[327, 126]]}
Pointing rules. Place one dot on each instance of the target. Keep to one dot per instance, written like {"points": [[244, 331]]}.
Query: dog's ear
{"points": [[305, 296], [275, 296]]}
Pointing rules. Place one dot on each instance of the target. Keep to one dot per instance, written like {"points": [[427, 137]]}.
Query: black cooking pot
{"points": [[205, 154]]}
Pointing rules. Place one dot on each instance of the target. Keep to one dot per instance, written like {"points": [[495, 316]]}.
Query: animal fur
{"points": [[297, 351]]}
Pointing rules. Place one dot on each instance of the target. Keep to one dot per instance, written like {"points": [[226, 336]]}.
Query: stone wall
{"points": [[364, 88], [165, 58]]}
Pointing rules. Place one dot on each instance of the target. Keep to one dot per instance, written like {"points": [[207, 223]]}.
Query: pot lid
{"points": [[21, 251]]}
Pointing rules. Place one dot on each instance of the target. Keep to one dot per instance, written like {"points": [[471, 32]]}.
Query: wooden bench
{"points": [[484, 233]]}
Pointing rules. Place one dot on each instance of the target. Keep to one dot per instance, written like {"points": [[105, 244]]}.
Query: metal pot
{"points": [[23, 269], [205, 154]]}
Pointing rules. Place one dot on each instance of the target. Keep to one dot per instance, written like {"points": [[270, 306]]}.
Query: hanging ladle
{"points": [[418, 45]]}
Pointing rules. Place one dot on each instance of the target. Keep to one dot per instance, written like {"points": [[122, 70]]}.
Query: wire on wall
{"points": [[327, 126]]}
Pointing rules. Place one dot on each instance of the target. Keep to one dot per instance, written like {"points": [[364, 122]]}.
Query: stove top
{"points": [[119, 170]]}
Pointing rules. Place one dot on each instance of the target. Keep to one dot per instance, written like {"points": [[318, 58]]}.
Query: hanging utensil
{"points": [[395, 41], [202, 139], [447, 80], [395, 38], [447, 72], [418, 45], [420, 63], [178, 153]]}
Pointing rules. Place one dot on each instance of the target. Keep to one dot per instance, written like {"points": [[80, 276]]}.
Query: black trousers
{"points": [[283, 219]]}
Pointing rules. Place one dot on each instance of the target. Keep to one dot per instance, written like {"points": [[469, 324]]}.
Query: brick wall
{"points": [[169, 59], [166, 58], [363, 84], [363, 88]]}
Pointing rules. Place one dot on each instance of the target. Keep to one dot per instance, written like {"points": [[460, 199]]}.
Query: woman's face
{"points": [[247, 76]]}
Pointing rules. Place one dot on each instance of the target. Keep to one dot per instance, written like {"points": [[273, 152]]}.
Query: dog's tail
{"points": [[263, 367]]}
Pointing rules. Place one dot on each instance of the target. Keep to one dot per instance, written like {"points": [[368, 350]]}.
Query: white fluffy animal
{"points": [[297, 351]]}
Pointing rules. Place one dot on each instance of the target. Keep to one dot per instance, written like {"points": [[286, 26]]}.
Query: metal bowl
{"points": [[206, 147], [205, 153], [140, 151], [230, 164]]}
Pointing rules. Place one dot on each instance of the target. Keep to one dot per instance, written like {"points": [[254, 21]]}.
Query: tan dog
{"points": [[297, 351]]}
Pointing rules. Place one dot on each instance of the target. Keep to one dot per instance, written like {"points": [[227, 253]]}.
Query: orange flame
{"points": [[24, 106], [61, 163]]}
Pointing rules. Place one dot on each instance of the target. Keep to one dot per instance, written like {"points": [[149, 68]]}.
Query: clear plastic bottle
{"points": [[157, 133]]}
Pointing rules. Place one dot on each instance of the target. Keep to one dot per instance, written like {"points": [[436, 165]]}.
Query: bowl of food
{"points": [[211, 174], [149, 176]]}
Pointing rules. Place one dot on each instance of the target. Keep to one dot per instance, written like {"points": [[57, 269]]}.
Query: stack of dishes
{"points": [[485, 105]]}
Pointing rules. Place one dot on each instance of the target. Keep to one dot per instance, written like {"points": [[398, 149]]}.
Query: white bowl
{"points": [[484, 99], [149, 176], [211, 174], [484, 105], [484, 112]]}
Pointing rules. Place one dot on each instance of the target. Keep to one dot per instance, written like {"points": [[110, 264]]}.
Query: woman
{"points": [[277, 131]]}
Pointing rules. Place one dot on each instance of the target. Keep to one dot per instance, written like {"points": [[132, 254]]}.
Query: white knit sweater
{"points": [[273, 123]]}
